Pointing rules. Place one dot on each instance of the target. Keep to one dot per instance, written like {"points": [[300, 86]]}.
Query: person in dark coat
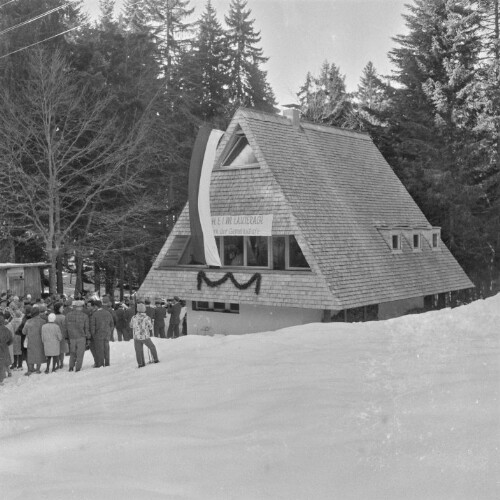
{"points": [[129, 312], [61, 321], [121, 322], [5, 341], [142, 327], [19, 331], [101, 330], [174, 309], [160, 313], [78, 334], [33, 331], [106, 304]]}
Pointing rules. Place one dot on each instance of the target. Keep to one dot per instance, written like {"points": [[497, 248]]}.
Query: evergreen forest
{"points": [[98, 119]]}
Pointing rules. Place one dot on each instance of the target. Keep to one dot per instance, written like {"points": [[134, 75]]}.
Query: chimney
{"points": [[293, 114]]}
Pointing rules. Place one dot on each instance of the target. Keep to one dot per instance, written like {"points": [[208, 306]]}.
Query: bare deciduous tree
{"points": [[64, 153]]}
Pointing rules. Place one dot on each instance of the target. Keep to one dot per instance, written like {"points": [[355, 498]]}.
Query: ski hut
{"points": [[299, 223], [22, 279]]}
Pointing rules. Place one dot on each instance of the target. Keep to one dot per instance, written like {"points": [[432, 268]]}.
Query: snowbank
{"points": [[401, 409]]}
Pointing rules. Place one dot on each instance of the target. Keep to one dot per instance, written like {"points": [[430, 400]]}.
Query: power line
{"points": [[41, 41], [34, 18], [7, 3]]}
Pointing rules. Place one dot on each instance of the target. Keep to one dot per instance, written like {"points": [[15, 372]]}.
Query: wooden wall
{"points": [[32, 281]]}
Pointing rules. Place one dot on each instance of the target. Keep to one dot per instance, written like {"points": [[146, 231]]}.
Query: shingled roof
{"points": [[334, 191]]}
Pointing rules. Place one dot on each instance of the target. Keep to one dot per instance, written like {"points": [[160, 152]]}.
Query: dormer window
{"points": [[396, 242], [240, 153], [435, 240], [416, 242]]}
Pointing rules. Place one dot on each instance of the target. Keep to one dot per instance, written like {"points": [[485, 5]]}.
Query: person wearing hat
{"points": [[108, 306], [160, 313], [142, 328], [33, 331], [61, 321], [129, 313], [77, 333], [101, 330], [51, 338], [174, 309]]}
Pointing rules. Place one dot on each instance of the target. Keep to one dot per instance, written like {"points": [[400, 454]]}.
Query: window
{"points": [[257, 251], [240, 153], [396, 242], [221, 307], [435, 240], [416, 242], [295, 256], [276, 252], [233, 251], [279, 252]]}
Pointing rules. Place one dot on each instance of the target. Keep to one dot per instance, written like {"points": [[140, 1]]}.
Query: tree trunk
{"points": [[97, 278], [121, 276], [110, 281], [52, 253], [79, 274], [59, 271]]}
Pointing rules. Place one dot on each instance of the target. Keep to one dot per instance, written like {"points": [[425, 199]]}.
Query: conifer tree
{"points": [[168, 22], [206, 67], [249, 85], [133, 17], [434, 119], [324, 98]]}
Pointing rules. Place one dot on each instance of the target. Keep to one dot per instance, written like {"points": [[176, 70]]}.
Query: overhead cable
{"points": [[41, 41], [24, 23], [7, 3]]}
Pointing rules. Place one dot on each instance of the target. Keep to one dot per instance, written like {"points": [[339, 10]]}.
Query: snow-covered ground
{"points": [[401, 409]]}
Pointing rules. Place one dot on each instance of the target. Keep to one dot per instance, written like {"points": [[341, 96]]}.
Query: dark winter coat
{"points": [[175, 313], [121, 322], [33, 331], [129, 313], [5, 341], [77, 324], [101, 325], [160, 313], [61, 321]]}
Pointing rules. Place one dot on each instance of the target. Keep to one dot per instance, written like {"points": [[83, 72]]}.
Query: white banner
{"points": [[242, 225], [211, 254]]}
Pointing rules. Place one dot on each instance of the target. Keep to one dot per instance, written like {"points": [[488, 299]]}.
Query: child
{"points": [[51, 338]]}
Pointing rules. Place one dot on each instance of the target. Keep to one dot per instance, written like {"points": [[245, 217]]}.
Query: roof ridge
{"points": [[330, 129]]}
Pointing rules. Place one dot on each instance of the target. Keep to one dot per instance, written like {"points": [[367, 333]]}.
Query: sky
{"points": [[299, 35], [404, 409]]}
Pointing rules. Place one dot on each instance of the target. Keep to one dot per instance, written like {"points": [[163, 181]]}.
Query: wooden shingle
{"points": [[332, 189]]}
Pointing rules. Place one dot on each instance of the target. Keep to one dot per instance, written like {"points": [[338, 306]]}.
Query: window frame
{"points": [[221, 248], [229, 307], [417, 248], [399, 236], [233, 144], [287, 255], [437, 235]]}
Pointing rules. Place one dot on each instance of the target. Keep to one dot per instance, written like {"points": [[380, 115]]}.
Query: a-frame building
{"points": [[313, 225]]}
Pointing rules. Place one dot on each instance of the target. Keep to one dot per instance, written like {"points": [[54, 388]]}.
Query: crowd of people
{"points": [[45, 331]]}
